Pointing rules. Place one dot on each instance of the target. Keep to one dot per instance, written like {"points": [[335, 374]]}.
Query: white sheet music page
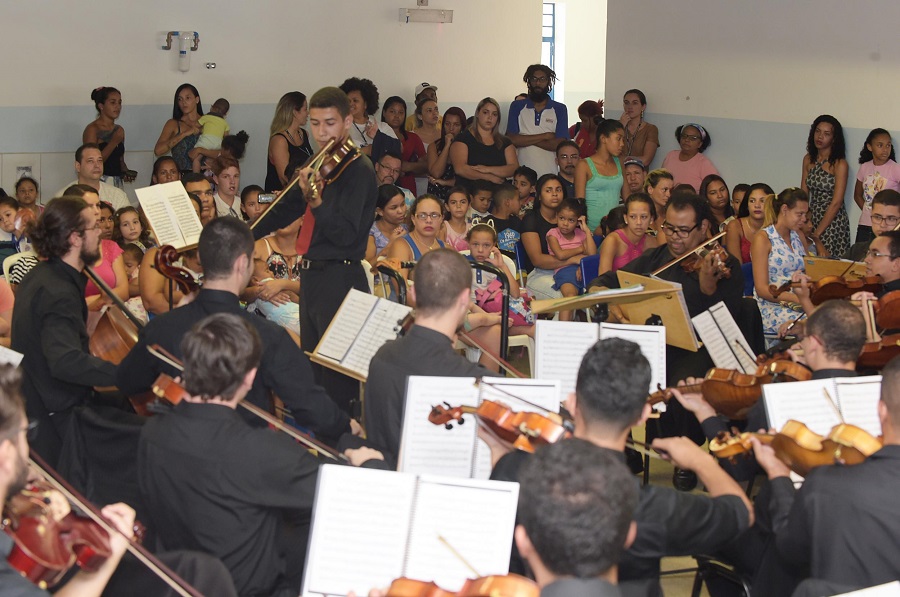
{"points": [[531, 395], [803, 401], [372, 507], [723, 339], [559, 348], [474, 518], [429, 448], [858, 399], [348, 322], [891, 589], [157, 208], [383, 324], [652, 341]]}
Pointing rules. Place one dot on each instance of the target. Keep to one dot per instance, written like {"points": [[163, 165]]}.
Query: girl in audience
{"points": [[288, 142], [480, 152], [275, 286], [27, 195], [487, 289], [688, 165], [412, 155], [878, 170], [750, 220], [429, 115], [737, 196], [598, 179], [131, 257], [535, 226], [641, 137], [456, 226], [130, 226], [363, 96], [584, 133], [180, 133], [715, 191], [615, 220], [107, 220], [109, 136], [570, 239], [441, 177], [251, 208], [811, 242], [659, 185], [165, 169], [777, 252], [625, 244], [390, 221], [825, 180]]}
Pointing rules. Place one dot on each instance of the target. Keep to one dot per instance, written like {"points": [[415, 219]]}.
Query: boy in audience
{"points": [[505, 220], [524, 179], [480, 205], [214, 128], [9, 244], [250, 205], [885, 217]]}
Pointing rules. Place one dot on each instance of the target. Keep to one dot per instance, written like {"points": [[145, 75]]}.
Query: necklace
{"points": [[362, 133], [629, 140], [415, 236]]}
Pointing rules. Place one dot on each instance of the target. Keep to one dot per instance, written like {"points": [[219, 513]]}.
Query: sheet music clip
{"points": [[601, 313], [654, 319]]}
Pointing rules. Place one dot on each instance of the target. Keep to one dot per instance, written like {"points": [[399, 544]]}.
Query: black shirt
{"points": [[346, 214], [48, 327], [422, 351], [535, 222], [12, 584], [214, 484], [580, 587], [283, 369], [857, 251], [480, 155], [508, 233]]}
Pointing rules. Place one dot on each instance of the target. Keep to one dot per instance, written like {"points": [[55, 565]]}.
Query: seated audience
{"points": [[535, 227], [412, 151], [456, 226], [130, 226], [274, 288], [751, 216], [570, 239], [441, 177], [715, 191], [89, 167], [251, 208], [566, 162], [505, 220], [659, 185], [623, 245], [634, 174], [27, 195], [390, 221]]}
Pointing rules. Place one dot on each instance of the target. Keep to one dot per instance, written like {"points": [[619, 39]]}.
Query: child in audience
{"points": [[625, 244], [615, 220], [878, 170], [480, 202], [505, 220], [250, 205], [487, 289], [524, 179], [453, 232], [571, 237], [214, 127], [132, 254], [9, 245], [130, 226]]}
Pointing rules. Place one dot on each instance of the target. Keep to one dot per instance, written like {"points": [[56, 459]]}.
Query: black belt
{"points": [[323, 263]]}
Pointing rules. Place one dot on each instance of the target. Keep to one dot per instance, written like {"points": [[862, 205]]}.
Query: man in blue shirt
{"points": [[537, 124]]}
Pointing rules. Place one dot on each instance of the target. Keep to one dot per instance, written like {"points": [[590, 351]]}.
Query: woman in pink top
{"points": [[625, 244], [688, 165]]}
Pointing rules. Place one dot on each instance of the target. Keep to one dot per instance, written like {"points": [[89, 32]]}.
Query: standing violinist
{"points": [[13, 477], [48, 324], [334, 235], [842, 529], [686, 227]]}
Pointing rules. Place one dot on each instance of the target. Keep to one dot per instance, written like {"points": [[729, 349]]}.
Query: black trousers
{"points": [[321, 293]]}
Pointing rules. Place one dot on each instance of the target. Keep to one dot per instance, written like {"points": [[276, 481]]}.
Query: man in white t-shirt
{"points": [[537, 124], [89, 167]]}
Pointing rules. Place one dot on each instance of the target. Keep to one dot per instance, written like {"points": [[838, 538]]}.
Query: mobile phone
{"points": [[266, 197]]}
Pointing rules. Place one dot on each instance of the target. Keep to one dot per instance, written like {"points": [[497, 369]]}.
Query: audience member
{"points": [[885, 217], [659, 185], [598, 179], [165, 169], [89, 167], [390, 221], [525, 179], [535, 226], [213, 128], [227, 176], [751, 217], [570, 239], [423, 91], [180, 133], [584, 132], [715, 191], [27, 195], [566, 160], [536, 125], [412, 150], [825, 174], [634, 174], [688, 165], [504, 219], [441, 176], [641, 137], [456, 226], [480, 152], [624, 245], [251, 208], [878, 171], [364, 129], [288, 142], [109, 136]]}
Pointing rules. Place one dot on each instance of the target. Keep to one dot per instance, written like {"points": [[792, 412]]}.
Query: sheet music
{"points": [[858, 399], [475, 517], [802, 401], [378, 524], [891, 589], [9, 356], [383, 324], [651, 339], [170, 214], [429, 448], [348, 321], [721, 336], [559, 348]]}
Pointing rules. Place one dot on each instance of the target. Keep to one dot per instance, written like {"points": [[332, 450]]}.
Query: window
{"points": [[548, 37]]}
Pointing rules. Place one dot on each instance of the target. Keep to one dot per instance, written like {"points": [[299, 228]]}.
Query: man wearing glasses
{"points": [[387, 170], [566, 158], [48, 324], [537, 124], [885, 217]]}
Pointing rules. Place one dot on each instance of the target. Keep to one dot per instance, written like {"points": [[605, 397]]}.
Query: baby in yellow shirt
{"points": [[215, 127]]}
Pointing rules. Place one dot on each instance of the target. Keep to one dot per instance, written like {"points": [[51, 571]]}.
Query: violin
{"points": [[832, 287], [524, 430], [165, 259], [801, 449], [692, 256], [46, 547], [875, 355], [511, 585], [888, 311], [695, 262], [732, 393]]}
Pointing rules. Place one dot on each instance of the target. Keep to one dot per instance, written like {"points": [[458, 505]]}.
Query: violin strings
{"points": [[481, 382]]}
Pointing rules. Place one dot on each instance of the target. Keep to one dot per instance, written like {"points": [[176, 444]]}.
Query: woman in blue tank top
{"points": [[598, 179]]}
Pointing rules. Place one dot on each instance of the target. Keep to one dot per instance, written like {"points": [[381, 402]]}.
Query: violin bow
{"points": [[481, 382], [175, 582], [170, 359], [492, 356], [688, 254], [102, 285]]}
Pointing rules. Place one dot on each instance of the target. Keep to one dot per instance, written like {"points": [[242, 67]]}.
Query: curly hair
{"points": [[838, 146], [50, 232], [366, 89]]}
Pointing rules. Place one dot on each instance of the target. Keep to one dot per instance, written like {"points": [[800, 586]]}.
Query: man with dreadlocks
{"points": [[537, 124]]}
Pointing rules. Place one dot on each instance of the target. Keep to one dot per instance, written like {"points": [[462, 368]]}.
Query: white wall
{"points": [[262, 49], [582, 48], [757, 74]]}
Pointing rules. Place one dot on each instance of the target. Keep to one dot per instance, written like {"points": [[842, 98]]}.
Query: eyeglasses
{"points": [[431, 216], [388, 168], [670, 230], [873, 254], [691, 137], [889, 220], [539, 79]]}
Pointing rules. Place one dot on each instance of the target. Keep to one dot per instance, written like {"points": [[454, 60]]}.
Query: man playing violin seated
{"points": [[841, 528], [14, 472], [610, 398], [883, 259], [212, 483], [885, 217]]}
